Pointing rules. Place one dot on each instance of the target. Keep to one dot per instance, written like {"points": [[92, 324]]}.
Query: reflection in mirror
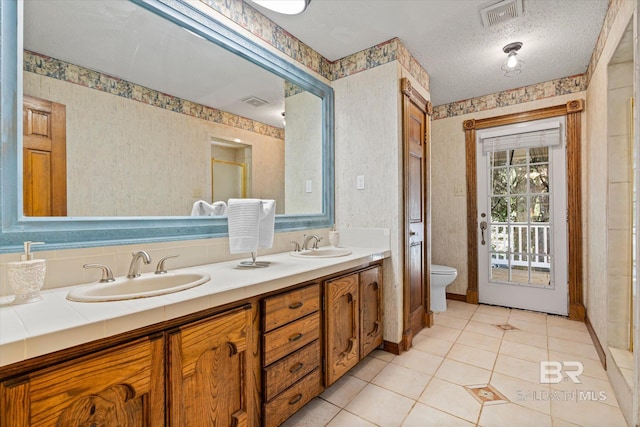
{"points": [[121, 124]]}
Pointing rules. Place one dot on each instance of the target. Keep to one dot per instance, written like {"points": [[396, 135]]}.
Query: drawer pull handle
{"points": [[296, 305], [295, 337], [295, 399], [296, 367]]}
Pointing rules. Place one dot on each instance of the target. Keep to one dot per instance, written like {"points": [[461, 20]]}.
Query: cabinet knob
{"points": [[296, 305]]}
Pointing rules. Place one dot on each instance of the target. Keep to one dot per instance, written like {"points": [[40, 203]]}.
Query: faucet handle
{"points": [[160, 267], [296, 246], [107, 275]]}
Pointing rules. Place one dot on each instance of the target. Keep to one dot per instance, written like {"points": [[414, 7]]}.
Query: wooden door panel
{"points": [[416, 211], [342, 326], [370, 310], [210, 371], [120, 386], [44, 158]]}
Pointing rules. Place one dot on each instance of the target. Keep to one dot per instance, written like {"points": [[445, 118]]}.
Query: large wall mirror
{"points": [[118, 116]]}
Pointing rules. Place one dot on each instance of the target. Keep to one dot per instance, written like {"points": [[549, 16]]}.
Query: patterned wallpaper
{"points": [[71, 73]]}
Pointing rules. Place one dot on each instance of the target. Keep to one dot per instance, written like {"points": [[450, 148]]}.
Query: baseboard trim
{"points": [[391, 347], [457, 297], [596, 342]]}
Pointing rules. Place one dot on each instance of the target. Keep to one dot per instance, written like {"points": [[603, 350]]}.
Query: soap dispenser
{"points": [[26, 276]]}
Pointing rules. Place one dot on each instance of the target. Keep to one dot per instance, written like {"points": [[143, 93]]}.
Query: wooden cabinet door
{"points": [[370, 310], [210, 377], [342, 326], [122, 386]]}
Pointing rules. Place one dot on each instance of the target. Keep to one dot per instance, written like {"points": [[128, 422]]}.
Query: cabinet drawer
{"points": [[291, 337], [287, 371], [282, 309], [292, 399]]}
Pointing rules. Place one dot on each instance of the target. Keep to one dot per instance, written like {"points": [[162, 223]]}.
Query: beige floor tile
{"points": [[462, 374], [401, 380], [510, 415], [523, 351], [344, 419], [480, 341], [432, 345], [536, 327], [493, 310], [343, 391], [524, 393], [368, 368], [587, 413], [562, 423], [373, 404], [598, 389], [424, 416], [441, 332], [563, 322], [518, 368], [453, 304], [419, 361], [316, 413], [473, 356], [528, 316], [592, 368], [382, 355], [452, 399], [524, 337], [484, 329], [491, 319], [570, 334], [450, 321], [573, 347]]}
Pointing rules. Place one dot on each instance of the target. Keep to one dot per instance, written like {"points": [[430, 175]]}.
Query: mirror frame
{"points": [[78, 232]]}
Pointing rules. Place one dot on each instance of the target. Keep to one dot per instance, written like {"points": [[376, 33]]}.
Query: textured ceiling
{"points": [[462, 57]]}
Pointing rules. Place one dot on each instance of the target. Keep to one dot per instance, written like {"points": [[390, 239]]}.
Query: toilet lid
{"points": [[442, 269]]}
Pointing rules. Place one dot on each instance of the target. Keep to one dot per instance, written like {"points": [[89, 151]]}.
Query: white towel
{"points": [[202, 208], [251, 224]]}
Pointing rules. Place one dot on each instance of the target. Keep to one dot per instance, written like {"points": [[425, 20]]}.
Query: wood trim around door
{"points": [[572, 110]]}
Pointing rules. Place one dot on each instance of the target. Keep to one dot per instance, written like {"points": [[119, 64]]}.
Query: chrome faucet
{"points": [[305, 244], [134, 268]]}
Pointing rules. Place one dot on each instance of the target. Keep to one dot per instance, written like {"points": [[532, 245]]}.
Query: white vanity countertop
{"points": [[55, 323]]}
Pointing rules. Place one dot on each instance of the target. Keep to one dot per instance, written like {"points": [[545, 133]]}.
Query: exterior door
{"points": [[522, 216], [44, 154], [416, 218]]}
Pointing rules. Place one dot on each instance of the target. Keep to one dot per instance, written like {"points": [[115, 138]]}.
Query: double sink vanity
{"points": [[245, 347]]}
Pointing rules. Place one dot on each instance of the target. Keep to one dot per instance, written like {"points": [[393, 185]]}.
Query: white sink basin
{"points": [[328, 252], [147, 285]]}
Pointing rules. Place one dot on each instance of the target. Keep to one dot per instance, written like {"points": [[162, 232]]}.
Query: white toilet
{"points": [[441, 277]]}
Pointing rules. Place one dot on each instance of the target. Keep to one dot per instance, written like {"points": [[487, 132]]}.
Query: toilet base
{"points": [[438, 298]]}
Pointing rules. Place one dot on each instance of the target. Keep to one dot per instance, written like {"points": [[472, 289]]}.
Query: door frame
{"points": [[572, 110], [410, 95]]}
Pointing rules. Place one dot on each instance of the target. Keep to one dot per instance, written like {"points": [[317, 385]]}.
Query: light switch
{"points": [[458, 189], [360, 182], [309, 186]]}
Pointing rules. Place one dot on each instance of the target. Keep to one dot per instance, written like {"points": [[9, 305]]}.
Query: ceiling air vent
{"points": [[501, 12], [255, 101]]}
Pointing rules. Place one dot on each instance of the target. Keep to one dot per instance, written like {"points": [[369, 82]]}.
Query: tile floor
{"points": [[478, 366]]}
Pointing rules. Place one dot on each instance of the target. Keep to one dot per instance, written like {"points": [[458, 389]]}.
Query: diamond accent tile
{"points": [[506, 327], [486, 394]]}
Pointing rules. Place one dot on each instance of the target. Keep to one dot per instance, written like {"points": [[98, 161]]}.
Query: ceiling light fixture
{"points": [[287, 7], [513, 64]]}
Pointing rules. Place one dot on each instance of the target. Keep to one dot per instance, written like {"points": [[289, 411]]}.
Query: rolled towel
{"points": [[202, 208], [251, 224]]}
